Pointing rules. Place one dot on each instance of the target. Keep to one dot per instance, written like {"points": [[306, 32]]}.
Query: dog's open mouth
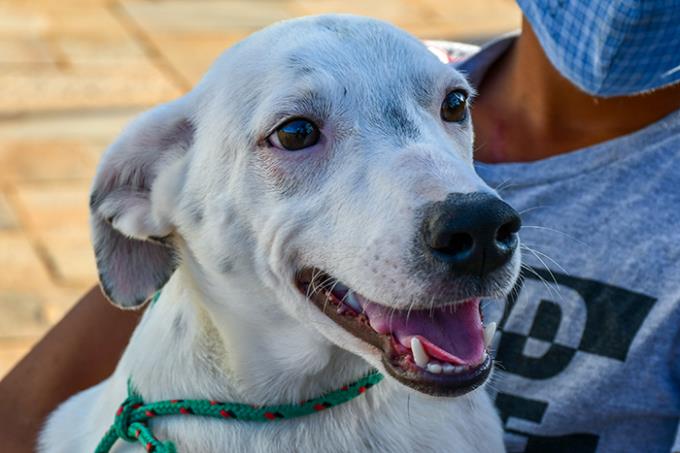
{"points": [[439, 351]]}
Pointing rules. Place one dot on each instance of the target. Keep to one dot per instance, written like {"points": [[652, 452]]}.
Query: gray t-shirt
{"points": [[589, 355]]}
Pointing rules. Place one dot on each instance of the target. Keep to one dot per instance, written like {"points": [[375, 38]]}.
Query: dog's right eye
{"points": [[295, 134]]}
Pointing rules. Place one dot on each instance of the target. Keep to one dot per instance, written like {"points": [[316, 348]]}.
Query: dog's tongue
{"points": [[450, 334]]}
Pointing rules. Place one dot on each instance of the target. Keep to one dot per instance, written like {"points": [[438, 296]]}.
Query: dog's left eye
{"points": [[454, 107], [295, 135]]}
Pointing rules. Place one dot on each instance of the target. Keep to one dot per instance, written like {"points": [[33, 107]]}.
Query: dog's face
{"points": [[329, 159]]}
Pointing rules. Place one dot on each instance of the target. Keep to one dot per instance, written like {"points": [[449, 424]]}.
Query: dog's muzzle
{"points": [[438, 344]]}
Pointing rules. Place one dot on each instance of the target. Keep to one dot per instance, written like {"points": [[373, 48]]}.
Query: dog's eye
{"points": [[454, 107], [295, 134]]}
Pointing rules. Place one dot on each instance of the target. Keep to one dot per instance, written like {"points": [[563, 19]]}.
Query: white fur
{"points": [[242, 218]]}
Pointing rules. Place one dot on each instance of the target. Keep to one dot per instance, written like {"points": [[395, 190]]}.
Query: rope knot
{"points": [[123, 418]]}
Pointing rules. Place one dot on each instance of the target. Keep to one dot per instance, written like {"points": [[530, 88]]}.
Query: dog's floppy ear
{"points": [[136, 181]]}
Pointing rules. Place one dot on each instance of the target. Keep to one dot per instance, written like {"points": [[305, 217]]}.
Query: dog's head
{"points": [[330, 160]]}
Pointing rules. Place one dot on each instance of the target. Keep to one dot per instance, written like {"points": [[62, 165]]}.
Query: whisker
{"points": [[533, 208], [544, 265], [410, 307], [573, 238], [531, 249], [546, 283], [503, 185]]}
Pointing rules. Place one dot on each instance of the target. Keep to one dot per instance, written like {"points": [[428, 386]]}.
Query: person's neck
{"points": [[527, 111]]}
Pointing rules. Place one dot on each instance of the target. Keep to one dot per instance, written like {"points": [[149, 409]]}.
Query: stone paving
{"points": [[73, 72]]}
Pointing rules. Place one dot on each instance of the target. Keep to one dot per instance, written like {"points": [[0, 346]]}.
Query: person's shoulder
{"points": [[450, 51], [472, 60]]}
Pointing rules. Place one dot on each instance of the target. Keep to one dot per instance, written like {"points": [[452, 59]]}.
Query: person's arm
{"points": [[77, 353]]}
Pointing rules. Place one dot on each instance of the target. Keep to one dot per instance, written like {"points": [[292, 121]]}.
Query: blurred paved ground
{"points": [[73, 72]]}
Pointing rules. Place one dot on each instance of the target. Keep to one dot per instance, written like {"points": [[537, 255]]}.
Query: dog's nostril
{"points": [[507, 233], [457, 244]]}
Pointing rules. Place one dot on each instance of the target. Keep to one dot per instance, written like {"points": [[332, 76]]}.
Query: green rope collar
{"points": [[130, 423]]}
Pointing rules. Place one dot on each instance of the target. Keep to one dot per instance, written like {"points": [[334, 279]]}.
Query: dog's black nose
{"points": [[473, 233]]}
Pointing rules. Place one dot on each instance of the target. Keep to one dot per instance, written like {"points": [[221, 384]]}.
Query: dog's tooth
{"points": [[434, 368], [460, 368], [419, 355], [489, 332], [351, 300], [449, 368]]}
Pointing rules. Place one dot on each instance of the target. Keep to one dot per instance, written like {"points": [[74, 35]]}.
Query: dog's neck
{"points": [[194, 343]]}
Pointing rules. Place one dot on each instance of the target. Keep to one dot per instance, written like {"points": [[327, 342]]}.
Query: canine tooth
{"points": [[489, 332], [434, 368], [351, 300], [419, 354]]}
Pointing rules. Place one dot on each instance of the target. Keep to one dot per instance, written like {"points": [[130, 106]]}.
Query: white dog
{"points": [[311, 212]]}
